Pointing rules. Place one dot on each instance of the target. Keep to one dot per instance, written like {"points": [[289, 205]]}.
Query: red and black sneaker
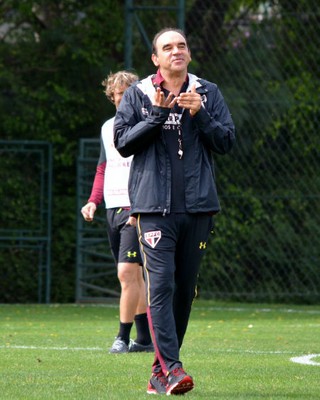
{"points": [[157, 383], [179, 382]]}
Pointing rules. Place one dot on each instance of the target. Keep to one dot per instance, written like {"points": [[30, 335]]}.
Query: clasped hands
{"points": [[189, 100]]}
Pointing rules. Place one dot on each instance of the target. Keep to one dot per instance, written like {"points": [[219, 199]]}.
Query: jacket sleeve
{"points": [[137, 126], [96, 195], [215, 124]]}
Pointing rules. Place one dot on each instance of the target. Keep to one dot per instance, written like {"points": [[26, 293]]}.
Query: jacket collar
{"points": [[147, 85], [157, 79]]}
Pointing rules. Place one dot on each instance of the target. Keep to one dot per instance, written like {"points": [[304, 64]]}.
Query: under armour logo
{"points": [[202, 245], [132, 254]]}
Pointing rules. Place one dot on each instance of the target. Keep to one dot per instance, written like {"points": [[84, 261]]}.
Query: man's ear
{"points": [[154, 59]]}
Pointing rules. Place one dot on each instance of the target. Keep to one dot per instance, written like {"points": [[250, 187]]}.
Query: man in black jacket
{"points": [[172, 122]]}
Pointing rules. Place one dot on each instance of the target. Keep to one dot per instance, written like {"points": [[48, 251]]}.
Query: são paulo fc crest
{"points": [[152, 238]]}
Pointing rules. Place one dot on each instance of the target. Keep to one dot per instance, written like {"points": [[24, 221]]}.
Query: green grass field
{"points": [[233, 351]]}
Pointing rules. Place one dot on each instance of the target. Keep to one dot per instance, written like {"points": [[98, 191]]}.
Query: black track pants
{"points": [[172, 247]]}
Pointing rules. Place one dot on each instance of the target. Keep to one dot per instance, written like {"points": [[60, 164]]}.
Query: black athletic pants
{"points": [[172, 247]]}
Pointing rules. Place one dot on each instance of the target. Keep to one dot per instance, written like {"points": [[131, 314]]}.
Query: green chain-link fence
{"points": [[96, 277], [25, 220], [265, 58], [266, 61]]}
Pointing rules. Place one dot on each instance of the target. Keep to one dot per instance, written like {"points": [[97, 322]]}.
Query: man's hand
{"points": [[190, 100], [88, 211], [132, 221], [161, 101]]}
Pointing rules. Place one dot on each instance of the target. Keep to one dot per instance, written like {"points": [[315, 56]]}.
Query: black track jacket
{"points": [[138, 132]]}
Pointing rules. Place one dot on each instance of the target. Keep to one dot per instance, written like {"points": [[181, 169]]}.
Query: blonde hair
{"points": [[118, 79]]}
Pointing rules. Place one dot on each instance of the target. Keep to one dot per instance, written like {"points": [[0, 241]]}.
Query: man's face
{"points": [[172, 52], [117, 94]]}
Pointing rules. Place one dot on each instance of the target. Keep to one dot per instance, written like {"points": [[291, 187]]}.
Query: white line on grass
{"points": [[216, 308], [306, 360], [66, 348], [266, 310], [53, 348]]}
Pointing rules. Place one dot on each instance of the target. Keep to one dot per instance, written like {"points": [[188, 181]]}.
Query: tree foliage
{"points": [[263, 55], [267, 67], [54, 56]]}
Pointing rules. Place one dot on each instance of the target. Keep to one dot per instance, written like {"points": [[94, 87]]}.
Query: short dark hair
{"points": [[164, 30]]}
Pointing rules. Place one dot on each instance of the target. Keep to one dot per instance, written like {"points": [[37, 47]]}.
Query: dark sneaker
{"points": [[157, 383], [179, 382], [135, 347], [119, 346]]}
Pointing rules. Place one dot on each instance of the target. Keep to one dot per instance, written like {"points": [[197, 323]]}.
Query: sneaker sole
{"points": [[139, 348], [181, 387], [152, 392], [141, 351]]}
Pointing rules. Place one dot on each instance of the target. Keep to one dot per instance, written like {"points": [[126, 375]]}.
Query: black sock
{"points": [[142, 326], [124, 331]]}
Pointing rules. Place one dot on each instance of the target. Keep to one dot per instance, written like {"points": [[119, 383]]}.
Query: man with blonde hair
{"points": [[111, 184]]}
